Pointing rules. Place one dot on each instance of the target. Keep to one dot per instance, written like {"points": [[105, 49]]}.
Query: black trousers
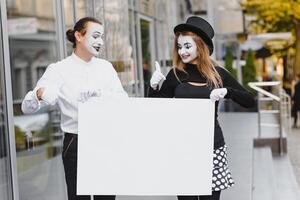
{"points": [[295, 114], [69, 156], [215, 196]]}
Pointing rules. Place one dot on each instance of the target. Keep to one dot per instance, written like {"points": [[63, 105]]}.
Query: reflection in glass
{"points": [[69, 21], [146, 7], [119, 50], [133, 59], [5, 175], [146, 53], [164, 34], [84, 8], [33, 46]]}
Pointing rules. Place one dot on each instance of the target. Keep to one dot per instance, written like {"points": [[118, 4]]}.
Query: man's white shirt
{"points": [[68, 78]]}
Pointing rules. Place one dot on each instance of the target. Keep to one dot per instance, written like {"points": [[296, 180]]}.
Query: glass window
{"points": [[5, 176], [69, 21], [133, 57], [146, 52], [33, 46], [146, 7], [164, 35], [131, 4], [84, 8], [119, 50]]}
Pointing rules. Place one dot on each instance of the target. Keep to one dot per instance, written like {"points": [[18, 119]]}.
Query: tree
{"points": [[277, 16], [249, 70], [229, 61]]}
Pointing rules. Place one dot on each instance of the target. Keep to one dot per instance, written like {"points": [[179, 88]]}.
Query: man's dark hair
{"points": [[80, 26]]}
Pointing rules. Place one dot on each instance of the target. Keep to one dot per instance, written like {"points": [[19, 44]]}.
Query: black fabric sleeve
{"points": [[168, 87], [235, 91]]}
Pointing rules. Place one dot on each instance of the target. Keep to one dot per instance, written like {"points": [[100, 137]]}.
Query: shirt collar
{"points": [[81, 61]]}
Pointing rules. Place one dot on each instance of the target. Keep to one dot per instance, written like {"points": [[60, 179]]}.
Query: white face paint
{"points": [[187, 48], [94, 42]]}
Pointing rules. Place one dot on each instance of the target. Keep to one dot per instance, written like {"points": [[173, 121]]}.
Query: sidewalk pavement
{"points": [[294, 151]]}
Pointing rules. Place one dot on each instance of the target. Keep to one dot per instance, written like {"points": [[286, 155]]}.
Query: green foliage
{"points": [[274, 15], [249, 70], [229, 62], [20, 139]]}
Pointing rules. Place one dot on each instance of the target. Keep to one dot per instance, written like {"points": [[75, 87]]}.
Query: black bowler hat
{"points": [[200, 27]]}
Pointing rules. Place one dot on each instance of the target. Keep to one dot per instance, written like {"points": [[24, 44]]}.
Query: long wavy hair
{"points": [[205, 64]]}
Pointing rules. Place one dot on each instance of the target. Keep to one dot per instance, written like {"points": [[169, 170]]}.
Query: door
{"points": [[146, 51]]}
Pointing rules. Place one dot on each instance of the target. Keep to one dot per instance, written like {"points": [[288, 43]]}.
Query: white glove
{"points": [[50, 95], [85, 94], [30, 103], [157, 76], [217, 94]]}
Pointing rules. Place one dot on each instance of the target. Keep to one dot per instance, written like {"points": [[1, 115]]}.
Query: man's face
{"points": [[93, 38], [187, 48]]}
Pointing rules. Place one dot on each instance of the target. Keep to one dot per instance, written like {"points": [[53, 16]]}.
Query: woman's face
{"points": [[92, 40], [187, 48]]}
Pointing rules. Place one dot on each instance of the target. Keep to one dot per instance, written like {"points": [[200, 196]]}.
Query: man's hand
{"points": [[48, 94], [39, 93]]}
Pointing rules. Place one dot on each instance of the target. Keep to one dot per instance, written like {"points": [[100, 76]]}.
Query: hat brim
{"points": [[199, 32]]}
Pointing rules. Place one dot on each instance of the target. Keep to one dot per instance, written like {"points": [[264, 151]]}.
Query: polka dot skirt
{"points": [[221, 174]]}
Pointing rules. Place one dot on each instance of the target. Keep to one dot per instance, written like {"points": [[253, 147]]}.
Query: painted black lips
{"points": [[97, 48]]}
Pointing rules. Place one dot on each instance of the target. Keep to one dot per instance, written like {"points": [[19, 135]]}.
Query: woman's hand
{"points": [[217, 94], [157, 76]]}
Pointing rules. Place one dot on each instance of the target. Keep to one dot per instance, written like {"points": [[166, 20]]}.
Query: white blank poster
{"points": [[145, 146]]}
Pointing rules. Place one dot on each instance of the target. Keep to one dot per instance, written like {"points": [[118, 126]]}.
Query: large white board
{"points": [[145, 146]]}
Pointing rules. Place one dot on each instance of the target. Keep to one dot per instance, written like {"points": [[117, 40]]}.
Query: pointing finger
{"points": [[157, 66]]}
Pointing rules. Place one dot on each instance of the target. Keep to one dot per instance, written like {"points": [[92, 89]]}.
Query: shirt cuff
{"points": [[229, 93]]}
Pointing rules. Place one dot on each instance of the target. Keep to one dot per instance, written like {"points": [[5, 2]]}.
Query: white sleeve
{"points": [[30, 104], [51, 77], [50, 80]]}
